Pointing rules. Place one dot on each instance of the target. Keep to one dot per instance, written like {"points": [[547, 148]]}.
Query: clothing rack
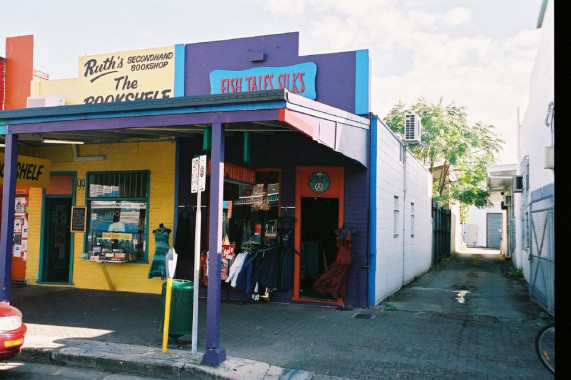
{"points": [[252, 251], [190, 206]]}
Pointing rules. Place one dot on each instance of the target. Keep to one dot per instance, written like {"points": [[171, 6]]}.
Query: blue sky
{"points": [[475, 53]]}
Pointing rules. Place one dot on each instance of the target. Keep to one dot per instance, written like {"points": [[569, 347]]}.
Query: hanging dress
{"points": [[286, 258], [333, 281], [266, 272], [158, 265], [286, 227]]}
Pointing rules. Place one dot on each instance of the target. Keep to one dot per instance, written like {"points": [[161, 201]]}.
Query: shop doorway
{"points": [[319, 213], [56, 246], [57, 241], [319, 220]]}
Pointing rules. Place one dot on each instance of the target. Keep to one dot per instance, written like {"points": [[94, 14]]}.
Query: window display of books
{"points": [[116, 255]]}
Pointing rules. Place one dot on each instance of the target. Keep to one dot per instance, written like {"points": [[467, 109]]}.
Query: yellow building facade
{"points": [[105, 78], [158, 158]]}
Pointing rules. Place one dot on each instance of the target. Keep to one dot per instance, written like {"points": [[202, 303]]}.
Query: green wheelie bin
{"points": [[180, 321]]}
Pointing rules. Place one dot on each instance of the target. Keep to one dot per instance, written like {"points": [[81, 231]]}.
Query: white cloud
{"points": [[457, 16], [437, 49], [285, 8]]}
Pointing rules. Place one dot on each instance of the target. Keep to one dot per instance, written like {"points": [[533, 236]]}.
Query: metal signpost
{"points": [[198, 185]]}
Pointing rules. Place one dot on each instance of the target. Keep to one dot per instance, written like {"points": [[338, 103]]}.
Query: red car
{"points": [[12, 331]]}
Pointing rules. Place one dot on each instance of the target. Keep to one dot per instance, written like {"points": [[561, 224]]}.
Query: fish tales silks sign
{"points": [[30, 172]]}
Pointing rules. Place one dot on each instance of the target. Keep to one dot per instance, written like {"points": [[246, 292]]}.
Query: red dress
{"points": [[333, 281]]}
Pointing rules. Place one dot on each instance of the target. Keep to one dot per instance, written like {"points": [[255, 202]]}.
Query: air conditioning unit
{"points": [[548, 157], [45, 101], [412, 127], [517, 186], [508, 201]]}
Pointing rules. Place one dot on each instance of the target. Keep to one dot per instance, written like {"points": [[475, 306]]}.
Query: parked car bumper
{"points": [[11, 342]]}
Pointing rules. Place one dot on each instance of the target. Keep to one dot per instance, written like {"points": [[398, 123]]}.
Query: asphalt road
{"points": [[17, 370]]}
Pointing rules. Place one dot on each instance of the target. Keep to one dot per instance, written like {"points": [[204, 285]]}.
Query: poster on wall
{"points": [[17, 225], [20, 238]]}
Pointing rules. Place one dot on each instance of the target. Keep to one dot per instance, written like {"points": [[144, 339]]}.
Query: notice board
{"points": [[78, 214]]}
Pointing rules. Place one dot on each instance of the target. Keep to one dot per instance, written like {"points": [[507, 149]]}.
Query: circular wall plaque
{"points": [[319, 182]]}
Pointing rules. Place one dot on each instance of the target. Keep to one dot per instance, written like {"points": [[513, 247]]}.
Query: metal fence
{"points": [[441, 222], [542, 252]]}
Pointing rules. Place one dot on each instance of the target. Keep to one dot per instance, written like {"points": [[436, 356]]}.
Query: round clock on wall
{"points": [[319, 182]]}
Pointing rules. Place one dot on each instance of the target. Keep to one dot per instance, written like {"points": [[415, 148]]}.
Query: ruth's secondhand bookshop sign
{"points": [[299, 79], [128, 76], [117, 77], [30, 172]]}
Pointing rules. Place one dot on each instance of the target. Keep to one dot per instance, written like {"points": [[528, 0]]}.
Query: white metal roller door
{"points": [[494, 227]]}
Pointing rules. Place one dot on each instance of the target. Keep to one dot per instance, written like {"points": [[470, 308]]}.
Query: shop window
{"points": [[251, 211], [117, 215]]}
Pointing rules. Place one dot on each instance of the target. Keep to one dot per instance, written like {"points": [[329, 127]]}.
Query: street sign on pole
{"points": [[198, 182], [202, 173], [194, 181], [198, 186]]}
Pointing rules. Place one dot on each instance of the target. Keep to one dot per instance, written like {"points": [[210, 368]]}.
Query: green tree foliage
{"points": [[451, 146]]}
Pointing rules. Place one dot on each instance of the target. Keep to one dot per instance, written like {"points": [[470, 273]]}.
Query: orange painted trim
{"points": [[60, 185], [336, 190], [303, 123], [19, 71], [325, 302]]}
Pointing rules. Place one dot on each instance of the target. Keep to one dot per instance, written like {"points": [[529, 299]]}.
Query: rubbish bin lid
{"points": [[182, 284]]}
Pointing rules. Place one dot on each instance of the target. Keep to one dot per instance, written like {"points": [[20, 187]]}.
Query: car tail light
{"points": [[13, 343]]}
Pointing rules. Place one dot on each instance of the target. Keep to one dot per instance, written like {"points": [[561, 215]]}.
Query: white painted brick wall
{"points": [[399, 260]]}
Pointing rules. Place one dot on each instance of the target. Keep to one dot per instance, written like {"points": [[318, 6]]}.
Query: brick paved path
{"points": [[430, 335]]}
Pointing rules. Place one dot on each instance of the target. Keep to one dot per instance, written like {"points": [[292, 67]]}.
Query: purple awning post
{"points": [[215, 355], [7, 227]]}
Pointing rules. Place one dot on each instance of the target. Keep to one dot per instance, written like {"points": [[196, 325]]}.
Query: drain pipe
{"points": [[404, 209], [76, 157], [372, 259]]}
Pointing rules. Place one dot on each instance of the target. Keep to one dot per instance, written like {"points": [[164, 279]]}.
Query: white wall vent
{"points": [[412, 127], [44, 101], [508, 201], [517, 186]]}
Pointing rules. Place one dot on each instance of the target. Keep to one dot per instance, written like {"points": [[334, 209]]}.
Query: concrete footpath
{"points": [[463, 319]]}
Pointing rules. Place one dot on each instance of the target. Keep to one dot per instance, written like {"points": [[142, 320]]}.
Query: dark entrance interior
{"points": [[56, 252], [319, 220]]}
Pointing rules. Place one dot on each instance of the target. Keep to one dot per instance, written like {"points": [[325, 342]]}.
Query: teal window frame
{"points": [[115, 197]]}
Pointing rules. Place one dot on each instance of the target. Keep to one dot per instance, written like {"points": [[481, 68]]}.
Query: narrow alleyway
{"points": [[473, 284]]}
